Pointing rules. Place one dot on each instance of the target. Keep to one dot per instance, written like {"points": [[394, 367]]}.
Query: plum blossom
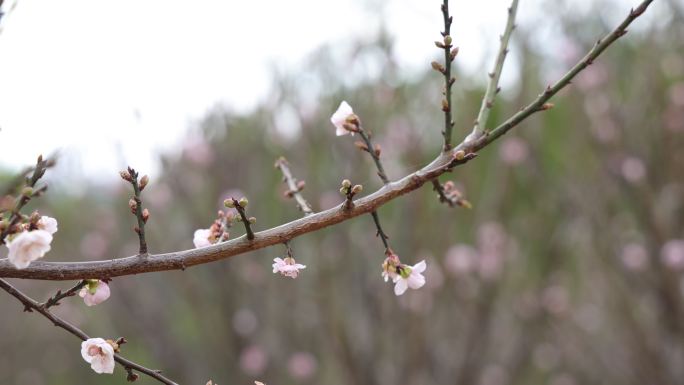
{"points": [[287, 267], [202, 238], [28, 246], [340, 118], [403, 276], [95, 292], [409, 276], [48, 224], [99, 354]]}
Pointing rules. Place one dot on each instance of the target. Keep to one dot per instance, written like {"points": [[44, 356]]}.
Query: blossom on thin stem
{"points": [[95, 292], [342, 118], [48, 224], [403, 276], [99, 354], [217, 232], [287, 267]]}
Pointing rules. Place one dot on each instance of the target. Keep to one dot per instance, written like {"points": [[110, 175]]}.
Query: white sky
{"points": [[111, 83]]}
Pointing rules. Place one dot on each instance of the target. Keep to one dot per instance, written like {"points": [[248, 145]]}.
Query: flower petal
{"points": [[400, 287]]}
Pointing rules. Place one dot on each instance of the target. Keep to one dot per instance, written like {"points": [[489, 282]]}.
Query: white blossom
{"points": [[28, 246], [287, 267], [339, 118], [201, 238], [48, 224], [95, 292], [410, 276], [99, 354]]}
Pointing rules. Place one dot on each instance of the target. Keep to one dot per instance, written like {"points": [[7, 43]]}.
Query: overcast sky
{"points": [[114, 82]]}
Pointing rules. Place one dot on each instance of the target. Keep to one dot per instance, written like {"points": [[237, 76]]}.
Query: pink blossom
{"points": [[28, 246], [48, 224], [672, 254], [302, 365], [287, 267], [339, 118], [95, 292], [201, 238], [634, 256], [409, 276], [99, 354]]}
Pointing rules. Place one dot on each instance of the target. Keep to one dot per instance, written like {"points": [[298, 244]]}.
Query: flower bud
{"points": [[145, 215], [437, 67], [125, 175], [346, 183], [133, 205], [243, 202], [252, 220], [144, 181], [229, 203], [300, 185], [453, 54], [459, 155], [27, 191], [357, 189], [343, 191], [447, 40]]}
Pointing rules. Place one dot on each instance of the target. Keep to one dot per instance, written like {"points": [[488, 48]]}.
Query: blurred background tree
{"points": [[568, 270]]}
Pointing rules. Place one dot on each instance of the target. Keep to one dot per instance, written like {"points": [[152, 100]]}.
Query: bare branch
{"points": [[493, 83], [449, 56], [294, 186], [54, 300], [540, 103], [31, 305], [444, 162]]}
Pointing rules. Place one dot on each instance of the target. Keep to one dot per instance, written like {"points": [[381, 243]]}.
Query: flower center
{"points": [[94, 351]]}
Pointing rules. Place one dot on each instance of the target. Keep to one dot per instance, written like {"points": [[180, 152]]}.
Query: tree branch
{"points": [[495, 75], [294, 186], [444, 162], [539, 104], [31, 305]]}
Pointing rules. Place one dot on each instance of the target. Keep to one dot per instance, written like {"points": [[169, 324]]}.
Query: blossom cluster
{"points": [[31, 240]]}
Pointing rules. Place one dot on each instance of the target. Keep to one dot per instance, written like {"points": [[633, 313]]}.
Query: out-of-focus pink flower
{"points": [[633, 169], [253, 360], [634, 257], [302, 365], [28, 246], [201, 238], [513, 151], [339, 118], [672, 254], [99, 354], [48, 224], [95, 292], [287, 267], [461, 259], [409, 276]]}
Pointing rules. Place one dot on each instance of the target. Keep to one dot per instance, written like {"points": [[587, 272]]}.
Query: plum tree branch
{"points": [[444, 162], [31, 305], [495, 75], [294, 186]]}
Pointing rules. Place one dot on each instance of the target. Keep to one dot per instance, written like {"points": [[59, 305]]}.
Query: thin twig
{"points": [[374, 152], [54, 300], [295, 187], [380, 233], [540, 104], [495, 75], [59, 271], [26, 195], [31, 305], [449, 56], [138, 186], [243, 216]]}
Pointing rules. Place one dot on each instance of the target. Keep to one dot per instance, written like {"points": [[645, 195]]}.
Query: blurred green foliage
{"points": [[565, 272]]}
